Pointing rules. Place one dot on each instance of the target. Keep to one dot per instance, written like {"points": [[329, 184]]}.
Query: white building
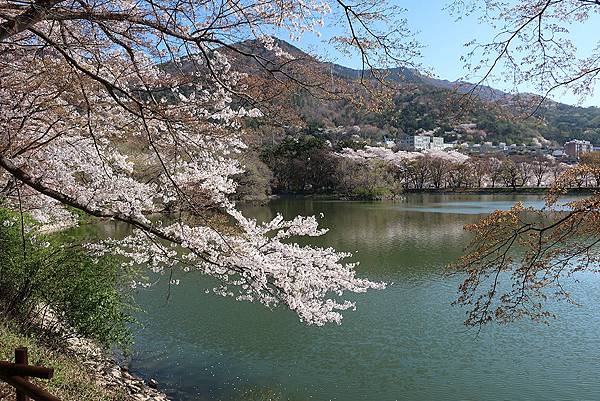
{"points": [[421, 142], [437, 143], [576, 147]]}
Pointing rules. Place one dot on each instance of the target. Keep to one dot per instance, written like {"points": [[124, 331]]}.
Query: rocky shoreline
{"points": [[110, 375], [100, 363]]}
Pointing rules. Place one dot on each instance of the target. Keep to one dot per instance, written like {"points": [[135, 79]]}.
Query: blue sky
{"points": [[444, 40]]}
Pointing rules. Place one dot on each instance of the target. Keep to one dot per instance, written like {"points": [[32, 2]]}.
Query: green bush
{"points": [[371, 179], [42, 273], [374, 193]]}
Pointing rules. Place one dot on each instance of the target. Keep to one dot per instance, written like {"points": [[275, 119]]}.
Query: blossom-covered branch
{"points": [[521, 257], [129, 110]]}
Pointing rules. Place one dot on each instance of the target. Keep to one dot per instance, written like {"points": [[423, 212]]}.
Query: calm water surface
{"points": [[403, 343]]}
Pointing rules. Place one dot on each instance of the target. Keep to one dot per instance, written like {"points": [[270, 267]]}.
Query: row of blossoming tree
{"points": [[307, 164], [455, 171]]}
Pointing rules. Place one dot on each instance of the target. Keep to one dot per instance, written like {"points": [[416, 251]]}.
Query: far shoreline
{"points": [[431, 191], [501, 191]]}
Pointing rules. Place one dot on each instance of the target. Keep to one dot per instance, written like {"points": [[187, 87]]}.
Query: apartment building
{"points": [[576, 148], [421, 142]]}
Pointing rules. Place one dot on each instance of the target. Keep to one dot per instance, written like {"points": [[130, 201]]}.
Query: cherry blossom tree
{"points": [[124, 110], [397, 158], [520, 258]]}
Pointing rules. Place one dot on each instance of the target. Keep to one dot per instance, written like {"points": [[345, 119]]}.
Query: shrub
{"points": [[370, 179], [40, 275]]}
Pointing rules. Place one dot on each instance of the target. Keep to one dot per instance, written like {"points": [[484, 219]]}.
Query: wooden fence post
{"points": [[17, 375], [21, 358]]}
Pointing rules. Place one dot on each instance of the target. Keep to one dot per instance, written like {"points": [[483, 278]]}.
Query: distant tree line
{"points": [[310, 165], [479, 172]]}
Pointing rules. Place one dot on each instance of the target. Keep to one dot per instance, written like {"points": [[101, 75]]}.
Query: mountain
{"points": [[411, 75], [420, 102]]}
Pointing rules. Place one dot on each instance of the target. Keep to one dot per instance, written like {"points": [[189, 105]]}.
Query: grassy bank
{"points": [[70, 382]]}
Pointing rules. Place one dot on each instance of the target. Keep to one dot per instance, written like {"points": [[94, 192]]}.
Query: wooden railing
{"points": [[16, 374]]}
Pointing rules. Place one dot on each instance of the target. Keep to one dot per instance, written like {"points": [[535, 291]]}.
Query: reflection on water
{"points": [[403, 343]]}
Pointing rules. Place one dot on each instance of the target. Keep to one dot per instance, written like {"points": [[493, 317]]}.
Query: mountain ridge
{"points": [[426, 107], [562, 120], [483, 91]]}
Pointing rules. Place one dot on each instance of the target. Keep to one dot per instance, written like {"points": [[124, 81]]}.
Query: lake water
{"points": [[403, 343]]}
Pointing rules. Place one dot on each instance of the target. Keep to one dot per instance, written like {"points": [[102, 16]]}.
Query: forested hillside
{"points": [[415, 102]]}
